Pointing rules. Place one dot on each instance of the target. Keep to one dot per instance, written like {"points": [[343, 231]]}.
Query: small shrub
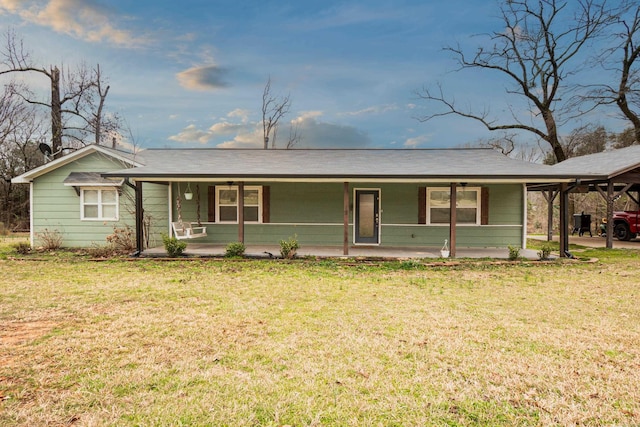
{"points": [[173, 246], [235, 250], [122, 240], [410, 264], [22, 248], [514, 253], [51, 239], [544, 252], [97, 251], [289, 247]]}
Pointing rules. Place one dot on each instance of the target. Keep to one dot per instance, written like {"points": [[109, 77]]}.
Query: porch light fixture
{"points": [[188, 195]]}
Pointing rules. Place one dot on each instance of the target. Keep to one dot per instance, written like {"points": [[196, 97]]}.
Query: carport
{"points": [[610, 173]]}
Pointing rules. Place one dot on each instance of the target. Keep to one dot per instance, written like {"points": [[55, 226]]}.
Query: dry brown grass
{"points": [[304, 343]]}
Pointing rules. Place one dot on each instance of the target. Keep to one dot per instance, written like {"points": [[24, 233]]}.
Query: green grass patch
{"points": [[272, 343]]}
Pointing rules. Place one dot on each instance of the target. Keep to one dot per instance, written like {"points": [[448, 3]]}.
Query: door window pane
{"points": [[366, 215]]}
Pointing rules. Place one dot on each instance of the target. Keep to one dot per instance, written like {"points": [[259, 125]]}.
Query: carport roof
{"points": [[462, 165], [607, 164]]}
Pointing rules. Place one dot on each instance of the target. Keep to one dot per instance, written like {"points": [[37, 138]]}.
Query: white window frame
{"points": [[477, 190], [220, 188], [100, 204]]}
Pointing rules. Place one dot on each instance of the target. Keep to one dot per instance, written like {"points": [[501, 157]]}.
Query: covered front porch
{"points": [[206, 250]]}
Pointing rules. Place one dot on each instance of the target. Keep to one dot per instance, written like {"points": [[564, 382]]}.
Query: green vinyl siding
{"points": [[466, 236], [398, 203], [271, 234], [156, 211], [56, 207], [506, 204], [307, 203]]}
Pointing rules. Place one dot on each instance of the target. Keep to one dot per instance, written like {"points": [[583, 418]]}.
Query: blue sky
{"points": [[191, 73]]}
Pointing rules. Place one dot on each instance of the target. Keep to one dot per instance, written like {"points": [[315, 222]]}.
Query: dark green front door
{"points": [[367, 216]]}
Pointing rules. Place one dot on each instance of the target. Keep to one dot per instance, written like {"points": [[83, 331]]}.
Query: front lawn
{"points": [[272, 343]]}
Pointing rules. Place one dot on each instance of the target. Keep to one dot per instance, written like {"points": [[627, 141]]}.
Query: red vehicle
{"points": [[626, 224]]}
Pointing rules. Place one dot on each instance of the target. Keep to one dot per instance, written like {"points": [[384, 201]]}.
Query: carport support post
{"points": [[610, 197], [241, 212], [550, 198], [453, 219], [345, 220]]}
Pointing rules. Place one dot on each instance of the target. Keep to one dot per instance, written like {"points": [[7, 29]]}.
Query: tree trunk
{"points": [[552, 136], [56, 113]]}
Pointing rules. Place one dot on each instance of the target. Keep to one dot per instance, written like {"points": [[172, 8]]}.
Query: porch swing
{"points": [[188, 230]]}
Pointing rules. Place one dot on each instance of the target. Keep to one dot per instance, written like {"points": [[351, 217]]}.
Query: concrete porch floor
{"points": [[263, 251]]}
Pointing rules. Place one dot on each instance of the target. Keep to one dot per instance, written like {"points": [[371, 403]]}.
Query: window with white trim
{"points": [[99, 204], [468, 209], [227, 206]]}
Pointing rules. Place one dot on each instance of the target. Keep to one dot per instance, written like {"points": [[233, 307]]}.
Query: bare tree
{"points": [[586, 139], [20, 132], [537, 52], [625, 138], [508, 145], [621, 59], [87, 120], [273, 109], [294, 135], [72, 95]]}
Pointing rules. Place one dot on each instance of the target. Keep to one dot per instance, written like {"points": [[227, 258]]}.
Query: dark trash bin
{"points": [[581, 224]]}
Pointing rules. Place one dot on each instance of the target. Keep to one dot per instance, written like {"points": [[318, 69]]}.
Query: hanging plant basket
{"points": [[188, 195]]}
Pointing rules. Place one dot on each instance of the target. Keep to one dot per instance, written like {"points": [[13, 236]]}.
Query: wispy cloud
{"points": [[376, 109], [81, 19], [345, 15], [207, 77]]}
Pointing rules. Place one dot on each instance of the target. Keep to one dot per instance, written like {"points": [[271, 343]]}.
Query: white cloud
{"points": [[10, 5], [191, 134], [244, 140], [318, 134], [243, 134], [248, 134], [417, 141], [241, 114], [81, 19]]}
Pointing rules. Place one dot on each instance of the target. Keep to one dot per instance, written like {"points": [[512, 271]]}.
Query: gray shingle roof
{"points": [[475, 163], [608, 163]]}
